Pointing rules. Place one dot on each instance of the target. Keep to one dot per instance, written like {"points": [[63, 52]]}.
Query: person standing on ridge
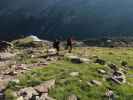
{"points": [[56, 45], [69, 44]]}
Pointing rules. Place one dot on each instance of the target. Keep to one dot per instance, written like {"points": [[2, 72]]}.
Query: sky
{"points": [[111, 16]]}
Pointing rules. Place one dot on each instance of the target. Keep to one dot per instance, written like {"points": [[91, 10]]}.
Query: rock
{"points": [[20, 67], [119, 77], [100, 61], [4, 45], [75, 60], [3, 85], [51, 59], [41, 89], [74, 74], [72, 97], [90, 84], [45, 96], [84, 60], [11, 73], [51, 51], [20, 98], [44, 87], [98, 83], [113, 66], [110, 94], [78, 60], [7, 56], [101, 71], [27, 93], [34, 38]]}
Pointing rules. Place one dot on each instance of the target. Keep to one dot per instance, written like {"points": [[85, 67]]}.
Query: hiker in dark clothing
{"points": [[69, 44], [56, 45]]}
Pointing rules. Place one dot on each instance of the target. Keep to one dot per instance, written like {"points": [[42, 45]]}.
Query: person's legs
{"points": [[70, 48], [58, 49]]}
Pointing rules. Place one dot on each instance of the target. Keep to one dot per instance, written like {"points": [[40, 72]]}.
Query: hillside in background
{"points": [[61, 18]]}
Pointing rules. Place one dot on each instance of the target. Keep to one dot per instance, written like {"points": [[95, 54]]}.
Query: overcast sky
{"points": [[103, 15]]}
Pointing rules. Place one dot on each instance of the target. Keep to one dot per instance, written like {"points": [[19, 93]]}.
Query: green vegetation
{"points": [[66, 84]]}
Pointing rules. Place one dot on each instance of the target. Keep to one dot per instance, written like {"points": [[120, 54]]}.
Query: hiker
{"points": [[56, 45], [69, 46]]}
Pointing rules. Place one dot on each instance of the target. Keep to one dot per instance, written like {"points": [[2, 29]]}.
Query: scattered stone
{"points": [[45, 96], [118, 77], [27, 93], [20, 67], [11, 73], [101, 71], [94, 56], [44, 87], [51, 59], [84, 60], [100, 61], [41, 89], [89, 83], [74, 74], [75, 59], [20, 98], [113, 67], [3, 85], [6, 56], [78, 60], [98, 83], [72, 97], [51, 51], [109, 94]]}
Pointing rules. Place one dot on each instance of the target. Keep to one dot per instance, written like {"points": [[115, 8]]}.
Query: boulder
{"points": [[3, 85], [4, 45], [119, 77], [96, 82], [109, 94], [44, 87], [101, 71], [89, 84], [45, 96], [41, 88], [72, 97], [78, 60], [51, 51], [75, 59], [84, 60], [74, 74], [100, 61], [20, 98], [113, 66], [27, 93]]}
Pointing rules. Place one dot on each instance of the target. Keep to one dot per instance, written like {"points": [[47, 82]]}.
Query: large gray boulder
{"points": [[77, 60]]}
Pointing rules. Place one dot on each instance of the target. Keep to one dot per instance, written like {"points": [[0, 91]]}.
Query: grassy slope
{"points": [[65, 84]]}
